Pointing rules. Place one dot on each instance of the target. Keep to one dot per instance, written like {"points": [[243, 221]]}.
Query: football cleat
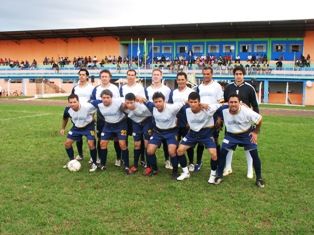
{"points": [[212, 177], [250, 175], [191, 167], [79, 158], [198, 167], [218, 180], [227, 172], [260, 183], [93, 168], [183, 176], [117, 163], [168, 165], [133, 169]]}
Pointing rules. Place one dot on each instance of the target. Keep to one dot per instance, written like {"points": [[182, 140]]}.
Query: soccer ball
{"points": [[74, 165]]}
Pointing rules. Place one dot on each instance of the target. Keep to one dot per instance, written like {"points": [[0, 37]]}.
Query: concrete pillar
{"points": [[25, 83], [266, 91]]}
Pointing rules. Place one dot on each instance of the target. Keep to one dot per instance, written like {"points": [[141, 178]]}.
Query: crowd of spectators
{"points": [[258, 64]]}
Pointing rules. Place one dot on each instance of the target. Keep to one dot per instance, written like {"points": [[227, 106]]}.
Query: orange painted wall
{"points": [[309, 44], [280, 98], [30, 49]]}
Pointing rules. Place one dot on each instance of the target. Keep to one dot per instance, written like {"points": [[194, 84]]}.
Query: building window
{"points": [[213, 49], [197, 49], [295, 48], [228, 48], [156, 49], [260, 48], [182, 49], [245, 48], [279, 48], [166, 49]]}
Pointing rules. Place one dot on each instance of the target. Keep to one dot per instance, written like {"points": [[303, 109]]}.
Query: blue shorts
{"points": [[231, 141], [203, 136], [76, 134], [170, 136], [115, 129], [143, 129]]}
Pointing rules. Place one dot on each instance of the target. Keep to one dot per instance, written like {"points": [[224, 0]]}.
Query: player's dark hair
{"points": [[73, 96], [105, 71], [131, 70], [182, 74], [106, 92], [83, 70], [158, 95], [208, 68], [234, 95], [130, 96], [194, 96], [239, 68]]}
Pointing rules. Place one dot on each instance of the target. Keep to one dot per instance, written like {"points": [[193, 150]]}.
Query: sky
{"points": [[20, 15]]}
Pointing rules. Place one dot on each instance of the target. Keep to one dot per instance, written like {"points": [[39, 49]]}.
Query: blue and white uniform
{"points": [[142, 124], [181, 96], [201, 127], [137, 89], [211, 93], [165, 123], [83, 92], [83, 122], [115, 119], [163, 89], [238, 128]]}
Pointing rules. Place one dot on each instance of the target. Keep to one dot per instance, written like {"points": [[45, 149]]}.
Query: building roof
{"points": [[286, 28]]}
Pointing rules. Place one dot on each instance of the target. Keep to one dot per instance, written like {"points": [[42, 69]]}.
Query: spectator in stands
{"points": [[279, 64]]}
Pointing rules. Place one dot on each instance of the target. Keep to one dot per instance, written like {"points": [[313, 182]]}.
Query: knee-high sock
{"points": [[117, 149], [199, 150], [103, 156], [228, 159], [165, 147], [93, 155], [137, 153], [249, 161], [174, 162], [125, 157], [222, 162], [79, 146], [213, 164], [182, 160], [142, 150], [256, 163], [190, 153], [70, 153], [152, 161]]}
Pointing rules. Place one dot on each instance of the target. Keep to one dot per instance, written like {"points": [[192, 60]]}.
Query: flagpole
{"points": [[130, 59], [138, 57], [152, 51]]}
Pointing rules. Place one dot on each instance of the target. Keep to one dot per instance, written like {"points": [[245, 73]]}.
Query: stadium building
{"points": [[276, 54]]}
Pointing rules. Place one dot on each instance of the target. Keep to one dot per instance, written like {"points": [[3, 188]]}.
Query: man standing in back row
{"points": [[247, 94]]}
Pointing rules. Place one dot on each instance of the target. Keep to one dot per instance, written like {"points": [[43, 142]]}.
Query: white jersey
{"points": [[83, 92], [180, 96], [241, 121], [163, 89], [137, 89], [211, 93], [112, 113], [81, 117], [167, 119], [139, 114], [98, 89], [202, 119]]}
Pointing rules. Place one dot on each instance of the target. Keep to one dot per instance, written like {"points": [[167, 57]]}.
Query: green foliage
{"points": [[39, 197]]}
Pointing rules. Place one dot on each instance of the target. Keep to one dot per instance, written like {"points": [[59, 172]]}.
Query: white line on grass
{"points": [[29, 116]]}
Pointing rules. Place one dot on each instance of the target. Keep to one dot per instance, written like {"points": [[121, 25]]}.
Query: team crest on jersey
{"points": [[150, 132], [123, 132], [92, 133]]}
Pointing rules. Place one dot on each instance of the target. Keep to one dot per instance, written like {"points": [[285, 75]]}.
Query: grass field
{"points": [[37, 196]]}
